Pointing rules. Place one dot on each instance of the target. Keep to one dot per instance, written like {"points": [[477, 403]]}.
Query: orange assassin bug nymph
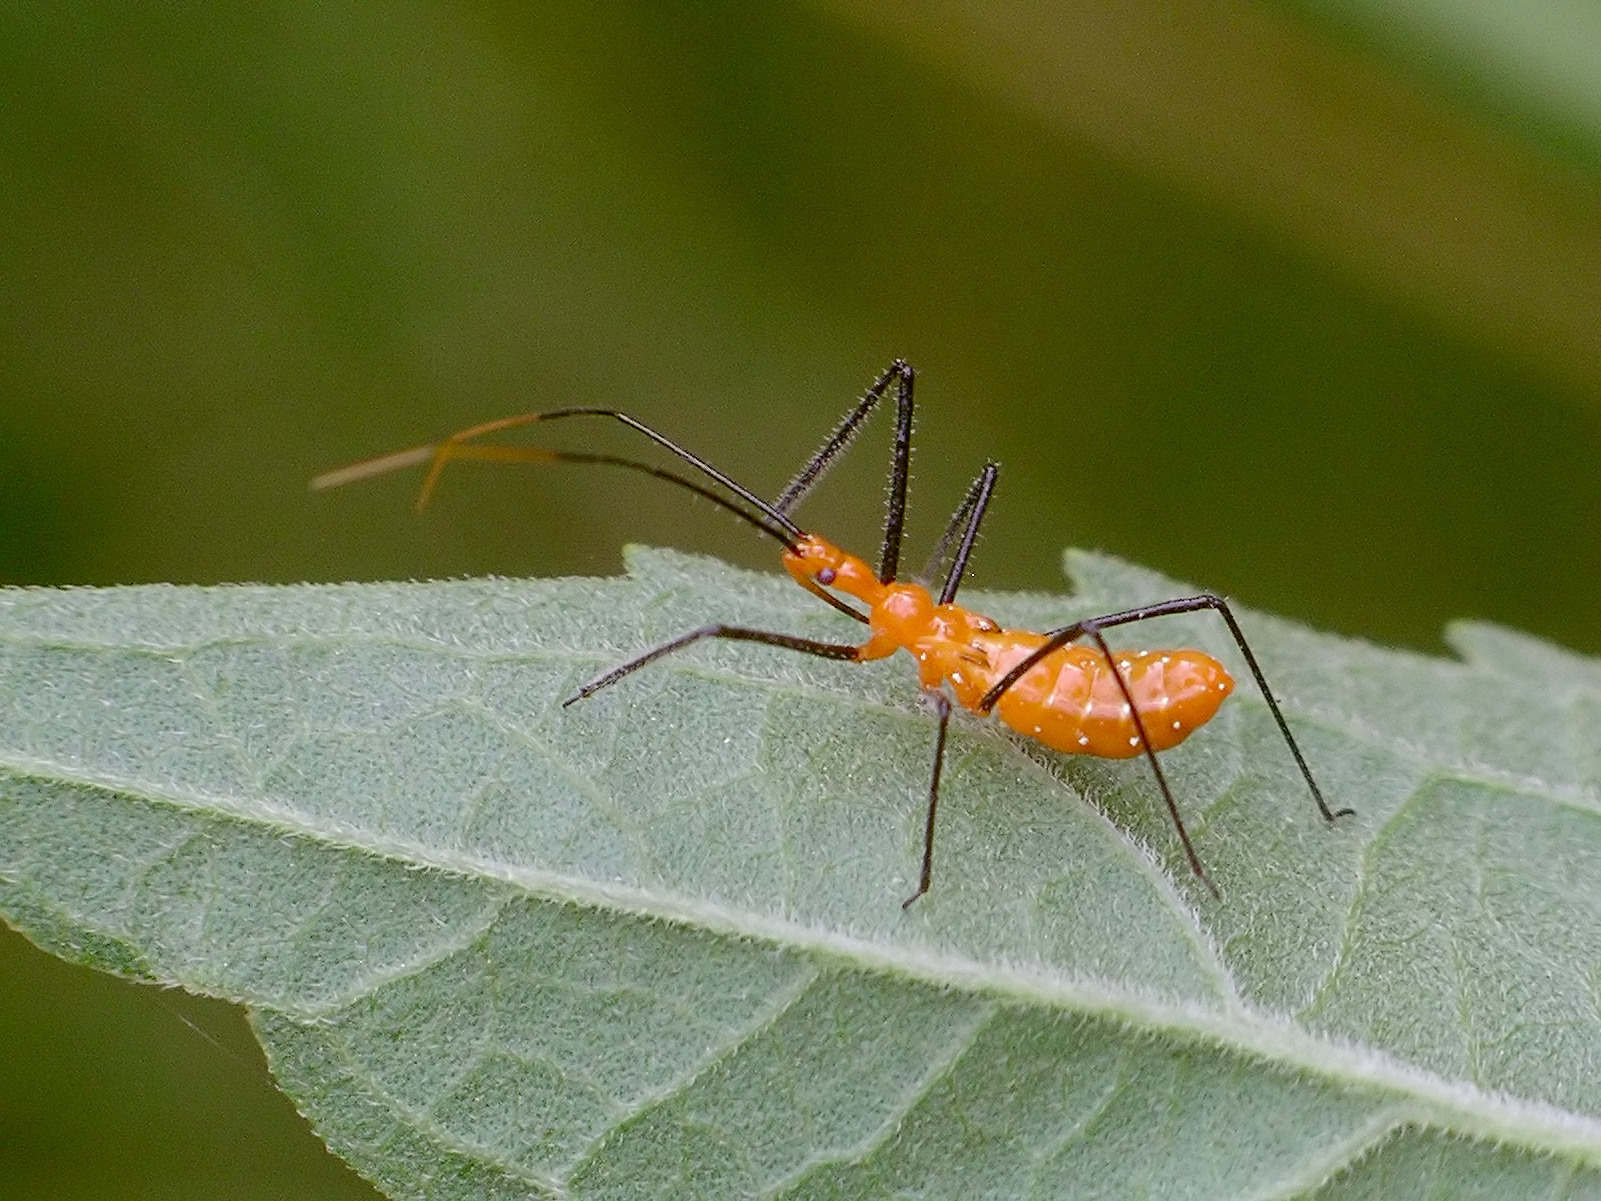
{"points": [[1079, 699]]}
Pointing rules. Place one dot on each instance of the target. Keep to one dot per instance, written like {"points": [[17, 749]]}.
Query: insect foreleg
{"points": [[823, 650], [902, 375]]}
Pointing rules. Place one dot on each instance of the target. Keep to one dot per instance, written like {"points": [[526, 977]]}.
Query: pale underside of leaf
{"points": [[652, 945]]}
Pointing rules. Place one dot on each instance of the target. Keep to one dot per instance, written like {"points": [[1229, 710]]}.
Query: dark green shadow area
{"points": [[114, 1089]]}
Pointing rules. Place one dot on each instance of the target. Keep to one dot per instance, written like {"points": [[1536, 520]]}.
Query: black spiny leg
{"points": [[942, 706], [823, 650]]}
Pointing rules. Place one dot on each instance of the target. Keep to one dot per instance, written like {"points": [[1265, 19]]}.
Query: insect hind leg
{"points": [[1056, 639], [1092, 628]]}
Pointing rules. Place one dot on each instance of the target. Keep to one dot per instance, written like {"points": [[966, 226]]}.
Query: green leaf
{"points": [[652, 945]]}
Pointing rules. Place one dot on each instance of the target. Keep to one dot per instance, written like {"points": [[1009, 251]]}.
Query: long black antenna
{"points": [[793, 533], [539, 454], [463, 445]]}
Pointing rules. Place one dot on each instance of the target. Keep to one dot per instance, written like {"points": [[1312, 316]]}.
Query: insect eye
{"points": [[826, 576]]}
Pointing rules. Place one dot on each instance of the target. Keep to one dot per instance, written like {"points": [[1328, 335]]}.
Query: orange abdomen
{"points": [[1071, 702]]}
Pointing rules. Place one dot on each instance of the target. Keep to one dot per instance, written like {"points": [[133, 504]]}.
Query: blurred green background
{"points": [[1301, 302]]}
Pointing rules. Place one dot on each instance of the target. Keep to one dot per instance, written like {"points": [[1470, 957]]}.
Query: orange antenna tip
{"points": [[383, 463]]}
